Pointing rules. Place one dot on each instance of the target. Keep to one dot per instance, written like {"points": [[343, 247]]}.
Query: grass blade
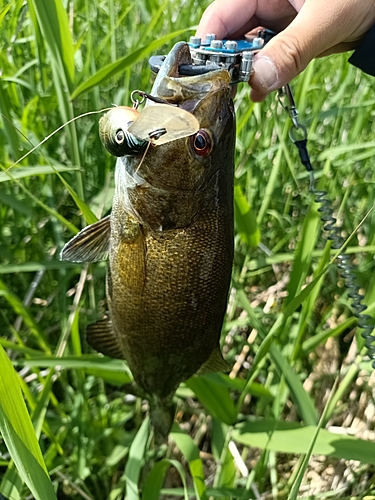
{"points": [[288, 437], [20, 172], [53, 22], [214, 396], [10, 131], [11, 483], [19, 435], [191, 452], [300, 396], [303, 467], [246, 223], [4, 10], [225, 493], [21, 310], [124, 62], [134, 463], [155, 479]]}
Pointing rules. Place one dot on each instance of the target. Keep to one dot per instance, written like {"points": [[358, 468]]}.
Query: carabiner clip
{"points": [[297, 131], [290, 106]]}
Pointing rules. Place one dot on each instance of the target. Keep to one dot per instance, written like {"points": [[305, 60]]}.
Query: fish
{"points": [[169, 237]]}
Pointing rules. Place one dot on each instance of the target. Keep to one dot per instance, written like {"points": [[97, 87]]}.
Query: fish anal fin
{"points": [[89, 245], [101, 337], [215, 363]]}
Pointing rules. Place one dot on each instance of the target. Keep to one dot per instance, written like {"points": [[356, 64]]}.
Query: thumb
{"points": [[289, 52]]}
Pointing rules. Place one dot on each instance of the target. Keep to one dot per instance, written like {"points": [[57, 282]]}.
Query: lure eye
{"points": [[202, 143], [114, 134], [120, 136]]}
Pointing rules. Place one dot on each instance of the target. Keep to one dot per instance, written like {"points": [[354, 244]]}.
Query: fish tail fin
{"points": [[162, 415]]}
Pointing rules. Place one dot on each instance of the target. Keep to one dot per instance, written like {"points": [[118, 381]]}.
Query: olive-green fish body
{"points": [[170, 247]]}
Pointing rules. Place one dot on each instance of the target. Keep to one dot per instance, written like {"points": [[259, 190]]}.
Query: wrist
{"points": [[364, 56]]}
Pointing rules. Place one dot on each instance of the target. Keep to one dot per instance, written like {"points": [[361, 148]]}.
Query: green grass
{"points": [[235, 436]]}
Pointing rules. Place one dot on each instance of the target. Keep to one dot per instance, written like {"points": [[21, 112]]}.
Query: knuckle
{"points": [[292, 52]]}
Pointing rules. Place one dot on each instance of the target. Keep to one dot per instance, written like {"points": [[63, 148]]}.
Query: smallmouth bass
{"points": [[169, 241]]}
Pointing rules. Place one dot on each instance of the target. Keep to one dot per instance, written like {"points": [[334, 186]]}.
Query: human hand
{"points": [[307, 29]]}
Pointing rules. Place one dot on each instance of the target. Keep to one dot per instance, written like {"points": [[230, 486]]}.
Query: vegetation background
{"points": [[296, 415]]}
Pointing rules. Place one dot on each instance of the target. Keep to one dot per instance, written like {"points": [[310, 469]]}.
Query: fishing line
{"points": [[298, 135], [51, 135], [143, 157]]}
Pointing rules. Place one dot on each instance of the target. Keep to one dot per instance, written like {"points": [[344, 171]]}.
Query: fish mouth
{"points": [[180, 54], [175, 88]]}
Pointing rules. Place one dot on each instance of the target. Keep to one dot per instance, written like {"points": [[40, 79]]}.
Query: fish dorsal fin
{"points": [[215, 363], [101, 337], [89, 245]]}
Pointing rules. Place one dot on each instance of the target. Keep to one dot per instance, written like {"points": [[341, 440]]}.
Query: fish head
{"points": [[186, 163], [175, 176]]}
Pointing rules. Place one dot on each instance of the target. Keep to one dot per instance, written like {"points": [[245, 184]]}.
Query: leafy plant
{"points": [[278, 420]]}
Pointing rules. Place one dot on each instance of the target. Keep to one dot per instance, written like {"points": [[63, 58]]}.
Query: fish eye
{"points": [[202, 143], [119, 136]]}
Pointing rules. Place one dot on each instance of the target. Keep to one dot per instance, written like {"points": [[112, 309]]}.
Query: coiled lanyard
{"points": [[297, 130]]}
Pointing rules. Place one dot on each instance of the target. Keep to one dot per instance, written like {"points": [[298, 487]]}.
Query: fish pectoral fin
{"points": [[89, 245], [101, 337], [215, 363]]}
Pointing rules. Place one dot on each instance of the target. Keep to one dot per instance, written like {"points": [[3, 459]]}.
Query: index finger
{"points": [[228, 18]]}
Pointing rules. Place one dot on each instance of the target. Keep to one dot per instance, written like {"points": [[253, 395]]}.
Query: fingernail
{"points": [[265, 74]]}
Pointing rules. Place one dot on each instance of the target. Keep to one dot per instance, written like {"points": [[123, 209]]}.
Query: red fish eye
{"points": [[202, 143]]}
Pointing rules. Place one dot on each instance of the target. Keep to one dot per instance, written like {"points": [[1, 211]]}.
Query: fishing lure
{"points": [[126, 132]]}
